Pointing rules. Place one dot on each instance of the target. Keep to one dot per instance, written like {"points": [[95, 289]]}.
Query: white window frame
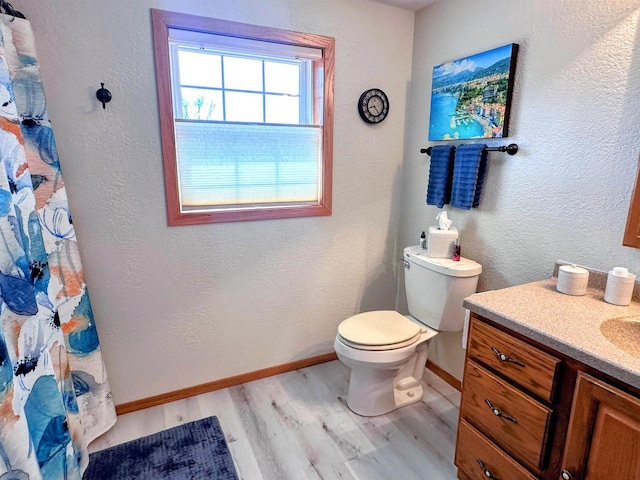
{"points": [[169, 25]]}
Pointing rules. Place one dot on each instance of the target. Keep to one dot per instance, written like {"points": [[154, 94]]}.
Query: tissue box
{"points": [[440, 242]]}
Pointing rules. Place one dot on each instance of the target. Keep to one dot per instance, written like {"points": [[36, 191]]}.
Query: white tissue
{"points": [[443, 222]]}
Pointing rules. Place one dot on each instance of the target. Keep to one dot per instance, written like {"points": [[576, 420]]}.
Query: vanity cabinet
{"points": [[528, 412], [603, 440]]}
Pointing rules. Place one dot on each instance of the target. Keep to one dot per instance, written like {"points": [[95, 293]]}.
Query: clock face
{"points": [[373, 106]]}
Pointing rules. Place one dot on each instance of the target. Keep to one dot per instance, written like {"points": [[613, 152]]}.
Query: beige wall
{"points": [[181, 306], [576, 118]]}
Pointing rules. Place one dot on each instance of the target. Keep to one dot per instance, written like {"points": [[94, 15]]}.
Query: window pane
{"points": [[243, 107], [282, 78], [282, 109], [200, 104], [242, 74], [200, 69]]}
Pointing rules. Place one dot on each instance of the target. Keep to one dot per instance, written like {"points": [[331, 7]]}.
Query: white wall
{"points": [[181, 306], [576, 118]]}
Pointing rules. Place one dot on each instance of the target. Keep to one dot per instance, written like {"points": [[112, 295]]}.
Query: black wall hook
{"points": [[103, 95], [5, 7]]}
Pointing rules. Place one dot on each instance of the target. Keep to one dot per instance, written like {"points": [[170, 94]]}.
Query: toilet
{"points": [[387, 351]]}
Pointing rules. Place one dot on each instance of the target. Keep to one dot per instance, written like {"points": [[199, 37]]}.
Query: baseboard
{"points": [[222, 383], [446, 376]]}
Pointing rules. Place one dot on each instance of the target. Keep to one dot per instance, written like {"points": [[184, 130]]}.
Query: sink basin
{"points": [[624, 333]]}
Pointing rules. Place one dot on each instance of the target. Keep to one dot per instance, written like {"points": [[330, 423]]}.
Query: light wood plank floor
{"points": [[296, 426]]}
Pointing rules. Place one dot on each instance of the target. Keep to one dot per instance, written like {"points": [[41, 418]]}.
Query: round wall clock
{"points": [[373, 105]]}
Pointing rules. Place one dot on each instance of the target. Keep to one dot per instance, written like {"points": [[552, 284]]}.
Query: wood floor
{"points": [[296, 426]]}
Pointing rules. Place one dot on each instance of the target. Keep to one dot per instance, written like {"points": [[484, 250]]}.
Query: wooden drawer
{"points": [[518, 361], [514, 421], [480, 459]]}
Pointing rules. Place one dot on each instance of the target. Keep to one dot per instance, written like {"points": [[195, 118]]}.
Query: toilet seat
{"points": [[378, 330]]}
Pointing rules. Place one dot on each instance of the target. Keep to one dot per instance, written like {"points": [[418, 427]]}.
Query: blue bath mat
{"points": [[195, 450]]}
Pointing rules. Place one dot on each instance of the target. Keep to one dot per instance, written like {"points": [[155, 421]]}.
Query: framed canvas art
{"points": [[471, 97]]}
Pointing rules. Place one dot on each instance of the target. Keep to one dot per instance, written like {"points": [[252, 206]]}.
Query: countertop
{"points": [[568, 324]]}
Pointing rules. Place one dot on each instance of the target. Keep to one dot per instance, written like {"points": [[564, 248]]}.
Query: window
{"points": [[246, 118]]}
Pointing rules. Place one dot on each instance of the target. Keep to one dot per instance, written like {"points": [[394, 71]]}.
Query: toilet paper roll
{"points": [[465, 328]]}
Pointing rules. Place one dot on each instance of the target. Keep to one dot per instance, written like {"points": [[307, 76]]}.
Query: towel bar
{"points": [[511, 149]]}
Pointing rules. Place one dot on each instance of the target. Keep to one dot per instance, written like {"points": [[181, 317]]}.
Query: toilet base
{"points": [[376, 391], [378, 398], [407, 397]]}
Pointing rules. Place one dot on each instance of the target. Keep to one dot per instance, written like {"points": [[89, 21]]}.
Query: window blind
{"points": [[233, 164]]}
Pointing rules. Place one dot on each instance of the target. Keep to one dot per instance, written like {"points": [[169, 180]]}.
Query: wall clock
{"points": [[373, 105]]}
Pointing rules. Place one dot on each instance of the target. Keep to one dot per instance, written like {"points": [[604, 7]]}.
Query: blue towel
{"points": [[440, 175], [469, 168]]}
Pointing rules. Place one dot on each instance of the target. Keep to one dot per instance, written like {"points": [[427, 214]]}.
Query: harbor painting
{"points": [[471, 97]]}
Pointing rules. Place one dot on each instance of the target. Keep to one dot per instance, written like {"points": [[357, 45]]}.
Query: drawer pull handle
{"points": [[498, 413], [486, 471], [566, 475], [503, 358]]}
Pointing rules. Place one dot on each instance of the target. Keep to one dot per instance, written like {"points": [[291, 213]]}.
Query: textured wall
{"points": [[575, 116], [181, 306]]}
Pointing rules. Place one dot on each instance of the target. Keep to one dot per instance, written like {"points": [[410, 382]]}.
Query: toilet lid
{"points": [[379, 328]]}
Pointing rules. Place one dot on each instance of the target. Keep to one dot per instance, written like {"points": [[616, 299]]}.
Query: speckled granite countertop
{"points": [[568, 324]]}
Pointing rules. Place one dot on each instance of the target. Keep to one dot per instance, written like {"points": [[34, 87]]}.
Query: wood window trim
{"points": [[161, 22]]}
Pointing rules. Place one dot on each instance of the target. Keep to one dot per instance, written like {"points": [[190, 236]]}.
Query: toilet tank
{"points": [[436, 287]]}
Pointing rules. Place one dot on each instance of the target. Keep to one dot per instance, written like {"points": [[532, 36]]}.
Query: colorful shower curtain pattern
{"points": [[54, 394]]}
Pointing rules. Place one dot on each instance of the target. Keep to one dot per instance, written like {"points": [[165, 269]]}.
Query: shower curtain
{"points": [[54, 394]]}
